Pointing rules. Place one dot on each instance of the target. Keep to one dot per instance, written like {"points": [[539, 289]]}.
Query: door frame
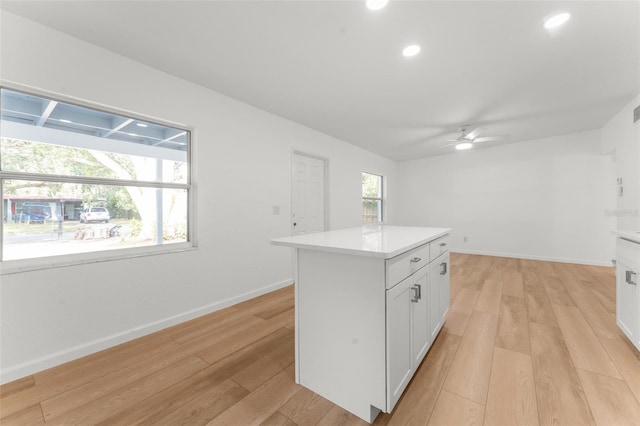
{"points": [[325, 182]]}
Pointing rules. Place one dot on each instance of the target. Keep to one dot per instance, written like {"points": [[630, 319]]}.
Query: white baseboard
{"points": [[15, 372], [532, 257]]}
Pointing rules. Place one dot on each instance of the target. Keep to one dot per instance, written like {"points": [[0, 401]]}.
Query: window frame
{"points": [[380, 198], [13, 266]]}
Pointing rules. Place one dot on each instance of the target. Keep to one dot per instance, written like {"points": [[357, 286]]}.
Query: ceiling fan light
{"points": [[411, 50], [464, 145], [376, 4], [557, 20]]}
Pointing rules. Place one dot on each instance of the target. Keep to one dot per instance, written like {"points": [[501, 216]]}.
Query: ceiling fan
{"points": [[468, 138]]}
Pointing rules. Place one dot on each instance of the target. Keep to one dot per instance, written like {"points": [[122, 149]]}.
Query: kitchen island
{"points": [[369, 302]]}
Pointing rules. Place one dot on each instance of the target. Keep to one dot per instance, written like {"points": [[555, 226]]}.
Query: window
{"points": [[77, 180], [372, 202]]}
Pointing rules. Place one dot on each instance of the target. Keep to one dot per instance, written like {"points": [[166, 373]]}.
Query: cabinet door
{"points": [[435, 283], [420, 314], [444, 288], [399, 354], [627, 309]]}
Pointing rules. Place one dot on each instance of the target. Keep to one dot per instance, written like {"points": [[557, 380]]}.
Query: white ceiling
{"points": [[337, 67]]}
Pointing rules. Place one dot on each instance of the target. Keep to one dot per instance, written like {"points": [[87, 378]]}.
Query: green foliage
{"points": [[371, 185], [25, 156]]}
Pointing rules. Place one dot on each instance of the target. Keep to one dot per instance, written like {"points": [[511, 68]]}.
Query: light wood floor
{"points": [[525, 342]]}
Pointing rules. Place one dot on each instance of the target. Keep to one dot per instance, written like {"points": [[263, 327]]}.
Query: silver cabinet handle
{"points": [[444, 268], [416, 294], [631, 277], [416, 259], [443, 244]]}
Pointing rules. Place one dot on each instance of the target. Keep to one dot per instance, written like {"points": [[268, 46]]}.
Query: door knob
{"points": [[294, 223]]}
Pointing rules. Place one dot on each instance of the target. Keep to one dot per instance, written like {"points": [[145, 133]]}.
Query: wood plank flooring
{"points": [[525, 343]]}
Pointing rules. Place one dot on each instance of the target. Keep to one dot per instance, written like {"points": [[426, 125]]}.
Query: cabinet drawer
{"points": [[439, 246], [400, 267]]}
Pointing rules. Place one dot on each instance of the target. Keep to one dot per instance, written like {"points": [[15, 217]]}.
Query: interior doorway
{"points": [[309, 194]]}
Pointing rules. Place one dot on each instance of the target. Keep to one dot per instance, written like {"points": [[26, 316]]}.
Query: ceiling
{"points": [[337, 67]]}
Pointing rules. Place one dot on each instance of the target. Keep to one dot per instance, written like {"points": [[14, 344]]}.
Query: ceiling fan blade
{"points": [[488, 139], [473, 134], [433, 141]]}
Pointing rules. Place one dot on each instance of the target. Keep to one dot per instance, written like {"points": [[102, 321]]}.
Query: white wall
{"points": [[623, 136], [242, 164], [541, 199]]}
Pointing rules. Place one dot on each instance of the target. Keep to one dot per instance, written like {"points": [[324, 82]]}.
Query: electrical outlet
{"points": [[276, 209], [464, 239]]}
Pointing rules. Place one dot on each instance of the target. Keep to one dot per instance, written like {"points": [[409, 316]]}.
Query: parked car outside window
{"points": [[94, 214], [35, 213]]}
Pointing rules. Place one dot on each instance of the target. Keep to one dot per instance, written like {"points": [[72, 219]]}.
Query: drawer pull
{"points": [[416, 259], [443, 244], [416, 294], [444, 268], [631, 277]]}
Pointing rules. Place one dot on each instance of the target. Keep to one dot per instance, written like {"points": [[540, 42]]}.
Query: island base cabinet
{"points": [[363, 323]]}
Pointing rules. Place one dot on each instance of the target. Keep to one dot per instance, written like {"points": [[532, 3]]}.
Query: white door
{"points": [[308, 204]]}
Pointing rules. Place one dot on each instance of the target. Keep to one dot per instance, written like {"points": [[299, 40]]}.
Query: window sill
{"points": [[11, 267]]}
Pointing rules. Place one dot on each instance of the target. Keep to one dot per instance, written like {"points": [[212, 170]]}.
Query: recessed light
{"points": [[557, 20], [411, 50], [376, 4], [464, 145], [132, 134], [141, 125], [62, 120]]}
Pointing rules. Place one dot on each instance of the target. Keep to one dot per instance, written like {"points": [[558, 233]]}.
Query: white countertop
{"points": [[368, 240], [628, 235]]}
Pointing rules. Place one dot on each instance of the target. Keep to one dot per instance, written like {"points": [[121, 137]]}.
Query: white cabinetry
{"points": [[363, 311], [439, 291], [408, 338], [416, 310], [421, 341], [627, 293], [399, 354]]}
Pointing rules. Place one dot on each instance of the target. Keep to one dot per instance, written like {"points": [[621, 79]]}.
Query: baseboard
{"points": [[532, 257], [31, 367]]}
